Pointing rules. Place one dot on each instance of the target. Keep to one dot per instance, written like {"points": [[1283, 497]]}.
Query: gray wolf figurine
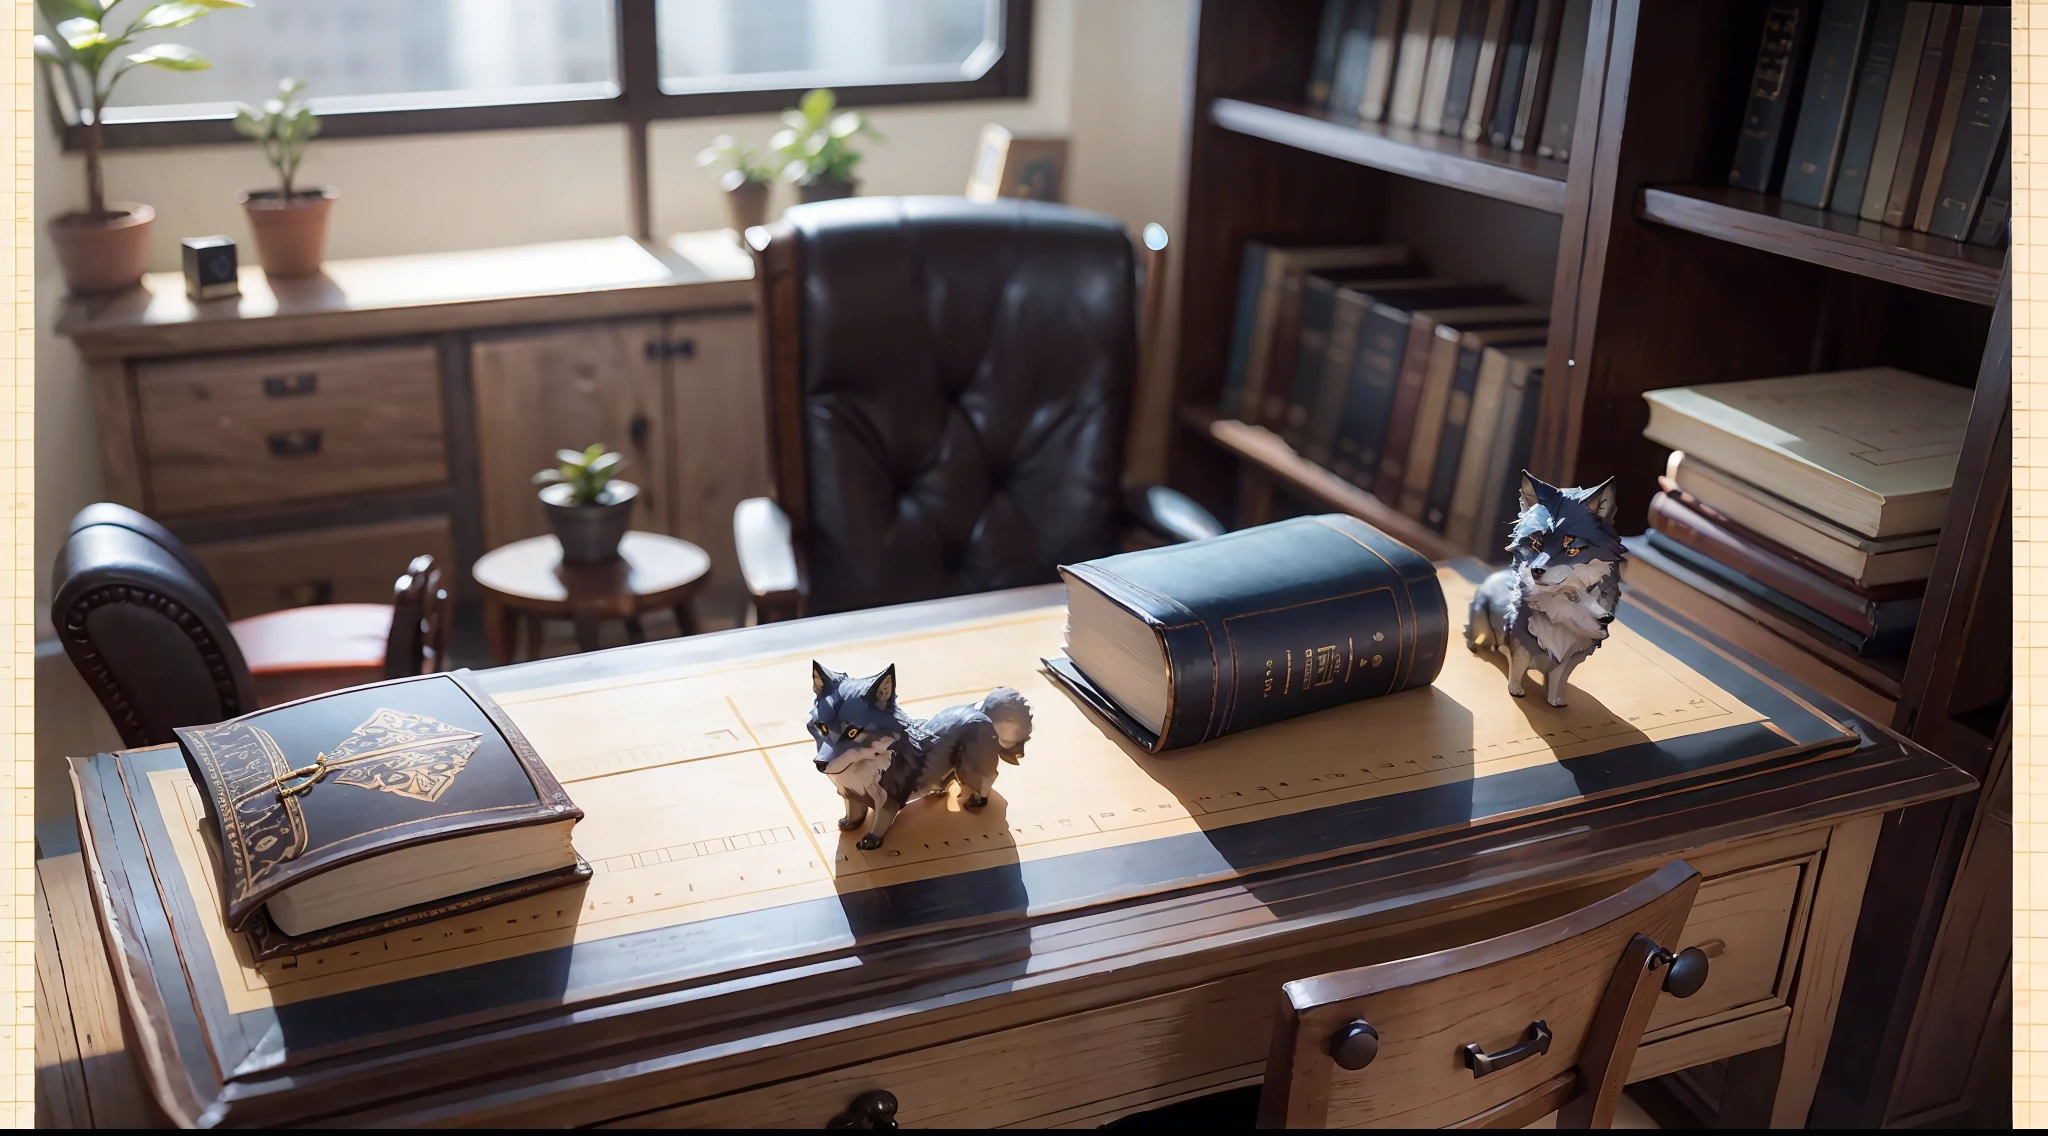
{"points": [[882, 759], [1550, 608]]}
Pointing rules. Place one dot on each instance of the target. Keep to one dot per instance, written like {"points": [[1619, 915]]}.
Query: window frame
{"points": [[638, 101]]}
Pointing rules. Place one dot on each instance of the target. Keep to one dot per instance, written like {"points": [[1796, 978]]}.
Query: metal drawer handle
{"points": [[294, 443], [675, 349], [873, 1109], [1536, 1041], [290, 386]]}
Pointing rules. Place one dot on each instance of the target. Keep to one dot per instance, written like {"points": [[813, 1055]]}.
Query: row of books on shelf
{"points": [[1901, 114], [1420, 389], [1820, 497], [1503, 72]]}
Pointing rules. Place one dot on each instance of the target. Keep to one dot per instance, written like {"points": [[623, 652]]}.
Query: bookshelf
{"points": [[1658, 275]]}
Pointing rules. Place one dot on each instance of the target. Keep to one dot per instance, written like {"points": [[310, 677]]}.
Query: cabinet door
{"points": [[564, 388], [721, 437]]}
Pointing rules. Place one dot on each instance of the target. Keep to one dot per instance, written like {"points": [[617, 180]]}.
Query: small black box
{"points": [[210, 268]]}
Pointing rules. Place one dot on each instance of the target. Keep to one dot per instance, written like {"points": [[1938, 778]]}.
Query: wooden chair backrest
{"points": [[422, 610], [1589, 978]]}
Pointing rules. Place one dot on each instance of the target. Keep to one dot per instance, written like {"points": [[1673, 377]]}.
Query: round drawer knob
{"points": [[873, 1109], [1355, 1045], [1687, 974]]}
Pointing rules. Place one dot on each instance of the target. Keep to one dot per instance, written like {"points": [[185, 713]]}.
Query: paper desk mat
{"points": [[701, 800]]}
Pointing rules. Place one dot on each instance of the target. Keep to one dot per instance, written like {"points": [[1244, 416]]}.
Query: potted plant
{"points": [[816, 146], [290, 224], [104, 248], [745, 180], [586, 506]]}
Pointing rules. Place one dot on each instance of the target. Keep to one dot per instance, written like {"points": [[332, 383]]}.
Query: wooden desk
{"points": [[1053, 983]]}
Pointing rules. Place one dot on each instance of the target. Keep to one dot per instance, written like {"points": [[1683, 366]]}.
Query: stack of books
{"points": [[1419, 389], [1894, 111], [1819, 496], [1501, 72]]}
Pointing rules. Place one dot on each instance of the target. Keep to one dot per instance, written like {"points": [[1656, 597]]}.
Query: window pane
{"points": [[709, 45], [381, 55]]}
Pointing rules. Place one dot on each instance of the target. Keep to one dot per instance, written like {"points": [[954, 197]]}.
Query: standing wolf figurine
{"points": [[882, 759], [1550, 608]]}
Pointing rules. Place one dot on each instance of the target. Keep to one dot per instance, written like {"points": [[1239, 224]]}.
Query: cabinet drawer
{"points": [[358, 564], [250, 430], [1750, 914]]}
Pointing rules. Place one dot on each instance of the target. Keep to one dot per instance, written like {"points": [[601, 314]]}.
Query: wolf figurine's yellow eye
{"points": [[1573, 546], [852, 732], [1536, 543]]}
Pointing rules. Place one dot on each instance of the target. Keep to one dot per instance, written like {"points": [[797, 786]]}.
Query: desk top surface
{"points": [[722, 883]]}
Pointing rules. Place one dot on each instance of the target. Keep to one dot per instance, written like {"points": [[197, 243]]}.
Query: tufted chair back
{"points": [[949, 384], [144, 624]]}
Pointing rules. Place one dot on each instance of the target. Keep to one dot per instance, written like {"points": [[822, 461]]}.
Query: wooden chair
{"points": [[147, 628], [1496, 1034]]}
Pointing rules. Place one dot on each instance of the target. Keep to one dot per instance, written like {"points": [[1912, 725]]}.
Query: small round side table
{"points": [[527, 578]]}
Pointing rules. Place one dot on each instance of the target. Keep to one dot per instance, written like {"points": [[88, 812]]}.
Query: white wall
{"points": [[1109, 74]]}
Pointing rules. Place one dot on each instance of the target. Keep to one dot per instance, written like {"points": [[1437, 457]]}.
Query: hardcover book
{"points": [[1980, 127], [1450, 355], [1414, 376], [1328, 39], [1817, 138], [1182, 644], [1989, 229], [1518, 415], [1488, 436], [1873, 450], [1379, 70], [1898, 103], [1301, 322], [1857, 559], [1947, 113], [1537, 71], [1482, 374], [1353, 63], [1773, 88], [1856, 642], [1930, 83], [1514, 50], [1465, 63], [1265, 306], [1486, 69], [347, 814], [1866, 111], [1563, 111], [1406, 101], [1436, 76]]}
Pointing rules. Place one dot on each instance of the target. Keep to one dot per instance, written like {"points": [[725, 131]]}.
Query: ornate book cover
{"points": [[299, 789]]}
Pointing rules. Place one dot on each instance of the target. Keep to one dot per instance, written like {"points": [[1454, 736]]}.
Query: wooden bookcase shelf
{"points": [[1656, 278], [1270, 453], [1818, 236], [1521, 179]]}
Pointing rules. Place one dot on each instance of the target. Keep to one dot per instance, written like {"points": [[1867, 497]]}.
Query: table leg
{"points": [[501, 628], [634, 632], [586, 631], [686, 619], [1774, 1087]]}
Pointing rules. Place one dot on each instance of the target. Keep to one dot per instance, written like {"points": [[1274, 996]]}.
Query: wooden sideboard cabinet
{"points": [[311, 436]]}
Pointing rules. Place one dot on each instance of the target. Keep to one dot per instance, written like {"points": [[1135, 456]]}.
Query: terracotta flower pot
{"points": [[747, 204], [105, 255], [826, 190], [291, 234], [590, 534]]}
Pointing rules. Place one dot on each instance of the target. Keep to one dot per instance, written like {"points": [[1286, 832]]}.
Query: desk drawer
{"points": [[251, 430], [356, 564], [1750, 914]]}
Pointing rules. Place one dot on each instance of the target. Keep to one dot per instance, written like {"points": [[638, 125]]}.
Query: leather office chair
{"points": [[1496, 1034], [146, 626], [949, 388]]}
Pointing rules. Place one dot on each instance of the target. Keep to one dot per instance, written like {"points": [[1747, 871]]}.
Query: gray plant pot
{"points": [[826, 191], [590, 533]]}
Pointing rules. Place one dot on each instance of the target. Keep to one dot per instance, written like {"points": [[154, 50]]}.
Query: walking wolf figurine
{"points": [[1550, 608], [882, 759]]}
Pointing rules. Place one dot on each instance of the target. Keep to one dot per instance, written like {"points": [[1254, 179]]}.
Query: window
{"points": [[709, 45], [360, 55], [419, 66]]}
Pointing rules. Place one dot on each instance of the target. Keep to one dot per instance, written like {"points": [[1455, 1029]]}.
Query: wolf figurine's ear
{"points": [[883, 690], [1600, 499], [823, 679], [1530, 486]]}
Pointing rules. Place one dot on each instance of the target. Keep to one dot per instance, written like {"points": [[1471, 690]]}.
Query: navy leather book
{"points": [[1817, 138], [1182, 644], [1873, 79], [1773, 89], [1250, 280]]}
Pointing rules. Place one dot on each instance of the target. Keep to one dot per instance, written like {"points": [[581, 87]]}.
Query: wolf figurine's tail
{"points": [[1011, 716]]}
